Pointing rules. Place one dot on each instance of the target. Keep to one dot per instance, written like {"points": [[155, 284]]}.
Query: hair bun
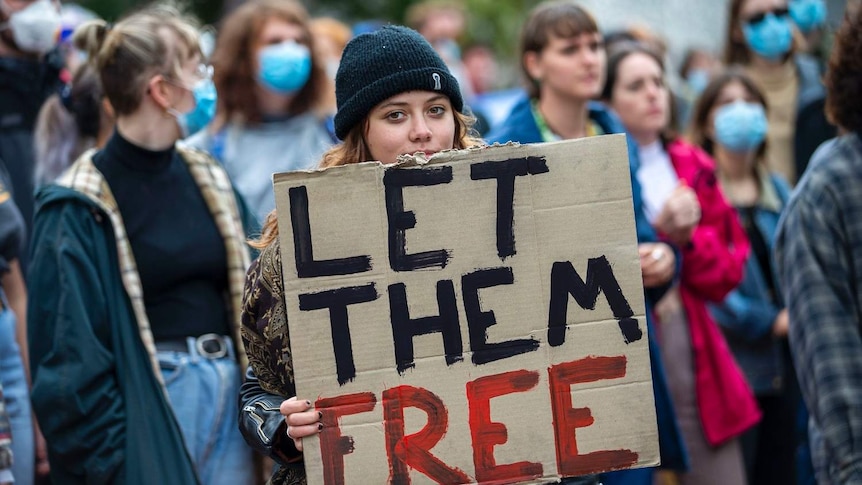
{"points": [[90, 36]]}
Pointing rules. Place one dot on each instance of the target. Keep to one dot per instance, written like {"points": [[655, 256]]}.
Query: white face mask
{"points": [[35, 27]]}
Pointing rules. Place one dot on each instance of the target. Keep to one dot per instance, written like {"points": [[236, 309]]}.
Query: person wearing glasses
{"points": [[762, 38], [137, 272]]}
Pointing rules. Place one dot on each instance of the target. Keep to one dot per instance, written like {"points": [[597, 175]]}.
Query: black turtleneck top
{"points": [[177, 247]]}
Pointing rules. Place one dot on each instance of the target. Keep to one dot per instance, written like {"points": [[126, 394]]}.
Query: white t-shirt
{"points": [[657, 177]]}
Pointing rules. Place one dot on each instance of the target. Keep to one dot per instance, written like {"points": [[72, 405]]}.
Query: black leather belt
{"points": [[208, 346]]}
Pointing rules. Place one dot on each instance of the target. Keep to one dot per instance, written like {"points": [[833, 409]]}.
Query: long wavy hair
{"points": [[235, 61]]}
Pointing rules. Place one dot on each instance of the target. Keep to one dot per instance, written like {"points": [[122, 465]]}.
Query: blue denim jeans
{"points": [[204, 397], [17, 398]]}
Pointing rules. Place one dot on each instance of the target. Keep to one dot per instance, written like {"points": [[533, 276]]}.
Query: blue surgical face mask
{"points": [[284, 68], [195, 120], [771, 38], [697, 80], [808, 14], [740, 126]]}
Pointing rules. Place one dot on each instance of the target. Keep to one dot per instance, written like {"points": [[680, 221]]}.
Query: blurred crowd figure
{"points": [[761, 38], [730, 124], [70, 122], [712, 402], [818, 253], [442, 23], [136, 161], [272, 89]]}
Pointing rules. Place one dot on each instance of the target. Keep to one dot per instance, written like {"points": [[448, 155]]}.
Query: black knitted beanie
{"points": [[381, 64]]}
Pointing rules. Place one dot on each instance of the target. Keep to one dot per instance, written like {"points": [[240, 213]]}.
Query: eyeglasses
{"points": [[760, 17], [204, 72]]}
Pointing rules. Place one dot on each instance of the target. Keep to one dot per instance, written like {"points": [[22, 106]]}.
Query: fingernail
{"points": [[319, 415], [320, 426], [308, 402]]}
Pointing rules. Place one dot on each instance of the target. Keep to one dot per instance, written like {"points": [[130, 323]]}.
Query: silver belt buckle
{"points": [[211, 346]]}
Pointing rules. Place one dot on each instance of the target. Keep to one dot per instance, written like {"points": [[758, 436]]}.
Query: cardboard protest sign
{"points": [[478, 317]]}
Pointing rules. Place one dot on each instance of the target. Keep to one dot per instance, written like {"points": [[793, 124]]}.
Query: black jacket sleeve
{"points": [[261, 423]]}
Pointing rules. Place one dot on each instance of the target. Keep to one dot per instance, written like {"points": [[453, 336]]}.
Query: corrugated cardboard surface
{"points": [[579, 210]]}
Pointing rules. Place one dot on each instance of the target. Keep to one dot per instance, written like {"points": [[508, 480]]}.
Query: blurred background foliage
{"points": [[491, 22]]}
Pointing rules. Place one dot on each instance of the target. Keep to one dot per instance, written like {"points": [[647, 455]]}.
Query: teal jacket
{"points": [[101, 405]]}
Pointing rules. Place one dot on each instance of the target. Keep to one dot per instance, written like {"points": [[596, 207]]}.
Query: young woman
{"points": [[713, 402], [563, 59], [138, 265], [272, 90], [388, 105], [761, 37], [730, 123]]}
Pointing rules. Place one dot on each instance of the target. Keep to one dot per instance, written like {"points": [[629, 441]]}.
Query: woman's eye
{"points": [[437, 110], [395, 116]]}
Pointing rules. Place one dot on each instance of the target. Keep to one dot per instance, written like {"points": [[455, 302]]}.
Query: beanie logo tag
{"points": [[436, 77]]}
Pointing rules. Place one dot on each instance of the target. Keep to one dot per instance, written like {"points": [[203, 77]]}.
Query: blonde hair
{"points": [[354, 149], [156, 40]]}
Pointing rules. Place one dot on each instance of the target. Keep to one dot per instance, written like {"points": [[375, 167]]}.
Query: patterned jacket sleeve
{"points": [[269, 379], [816, 270]]}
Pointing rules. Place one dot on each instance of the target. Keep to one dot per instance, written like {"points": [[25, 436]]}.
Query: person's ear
{"points": [[158, 89], [107, 109], [533, 66]]}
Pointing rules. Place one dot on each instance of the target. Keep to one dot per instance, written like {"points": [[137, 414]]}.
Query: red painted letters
{"points": [[487, 434], [567, 419], [333, 446], [413, 450]]}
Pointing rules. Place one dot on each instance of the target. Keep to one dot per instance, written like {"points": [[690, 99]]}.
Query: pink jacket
{"points": [[712, 266]]}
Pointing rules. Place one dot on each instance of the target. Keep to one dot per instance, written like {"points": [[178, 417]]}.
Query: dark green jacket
{"points": [[100, 404]]}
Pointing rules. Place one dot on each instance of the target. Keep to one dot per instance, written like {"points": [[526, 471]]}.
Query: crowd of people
{"points": [[143, 329]]}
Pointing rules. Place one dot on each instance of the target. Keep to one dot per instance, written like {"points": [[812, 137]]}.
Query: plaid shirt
{"points": [[218, 194], [819, 256]]}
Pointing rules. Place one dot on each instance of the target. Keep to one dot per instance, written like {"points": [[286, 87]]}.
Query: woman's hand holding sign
{"points": [[301, 420]]}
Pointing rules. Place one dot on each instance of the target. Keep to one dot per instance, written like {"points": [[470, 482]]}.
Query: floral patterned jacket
{"points": [[269, 379]]}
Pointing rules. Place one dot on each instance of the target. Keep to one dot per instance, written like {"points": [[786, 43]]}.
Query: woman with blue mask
{"points": [[762, 38], [139, 261], [272, 108], [730, 122]]}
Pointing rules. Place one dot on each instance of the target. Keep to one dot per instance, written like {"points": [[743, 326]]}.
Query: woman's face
{"points": [[571, 67], [731, 92], [414, 121], [640, 96], [183, 82]]}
